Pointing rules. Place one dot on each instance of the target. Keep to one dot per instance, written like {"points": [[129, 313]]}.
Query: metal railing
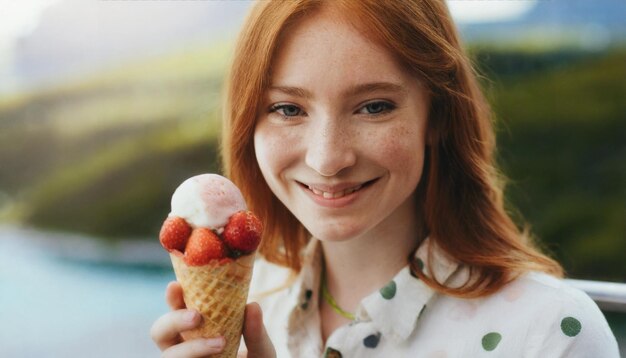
{"points": [[610, 296]]}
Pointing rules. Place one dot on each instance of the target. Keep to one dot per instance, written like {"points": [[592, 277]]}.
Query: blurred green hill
{"points": [[562, 142], [102, 155]]}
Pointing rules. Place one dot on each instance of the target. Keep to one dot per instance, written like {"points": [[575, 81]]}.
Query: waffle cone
{"points": [[218, 291]]}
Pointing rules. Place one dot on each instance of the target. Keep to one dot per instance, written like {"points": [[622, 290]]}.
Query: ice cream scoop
{"points": [[207, 200]]}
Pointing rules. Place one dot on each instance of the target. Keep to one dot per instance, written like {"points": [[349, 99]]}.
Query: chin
{"points": [[337, 233]]}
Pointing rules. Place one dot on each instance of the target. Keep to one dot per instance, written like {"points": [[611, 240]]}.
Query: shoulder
{"points": [[537, 314], [552, 294], [558, 318], [548, 290]]}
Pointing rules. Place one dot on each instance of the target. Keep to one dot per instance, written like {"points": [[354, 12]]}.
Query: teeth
{"points": [[339, 194]]}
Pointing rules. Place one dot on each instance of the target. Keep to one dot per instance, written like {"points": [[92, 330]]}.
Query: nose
{"points": [[330, 147]]}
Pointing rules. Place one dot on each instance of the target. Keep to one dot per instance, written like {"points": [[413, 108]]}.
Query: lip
{"points": [[338, 195]]}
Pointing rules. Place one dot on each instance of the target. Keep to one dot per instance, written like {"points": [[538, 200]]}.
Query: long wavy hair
{"points": [[460, 195]]}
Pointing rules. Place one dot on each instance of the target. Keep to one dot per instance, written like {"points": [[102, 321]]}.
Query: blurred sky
{"points": [[19, 18]]}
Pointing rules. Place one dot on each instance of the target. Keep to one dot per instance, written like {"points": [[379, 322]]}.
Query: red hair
{"points": [[461, 192]]}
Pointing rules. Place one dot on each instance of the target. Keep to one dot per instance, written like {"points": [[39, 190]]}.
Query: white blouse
{"points": [[534, 316]]}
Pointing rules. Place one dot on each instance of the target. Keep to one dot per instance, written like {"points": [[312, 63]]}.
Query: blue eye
{"points": [[287, 110], [377, 107]]}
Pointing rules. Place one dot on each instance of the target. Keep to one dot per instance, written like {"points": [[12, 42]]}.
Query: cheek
{"points": [[398, 147], [274, 149]]}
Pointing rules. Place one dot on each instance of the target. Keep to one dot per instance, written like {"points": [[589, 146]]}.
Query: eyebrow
{"points": [[352, 91]]}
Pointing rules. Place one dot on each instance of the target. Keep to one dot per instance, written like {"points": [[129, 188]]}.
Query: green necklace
{"points": [[331, 301]]}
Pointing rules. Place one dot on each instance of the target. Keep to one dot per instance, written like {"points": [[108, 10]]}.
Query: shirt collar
{"points": [[394, 309], [304, 295]]}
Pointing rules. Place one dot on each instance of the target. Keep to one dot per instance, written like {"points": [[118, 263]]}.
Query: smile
{"points": [[337, 194]]}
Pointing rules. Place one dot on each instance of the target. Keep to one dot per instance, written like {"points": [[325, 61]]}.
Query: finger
{"points": [[195, 348], [255, 335], [174, 296], [165, 331]]}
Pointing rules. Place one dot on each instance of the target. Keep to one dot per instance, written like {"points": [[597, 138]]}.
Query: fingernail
{"points": [[189, 316], [217, 342]]}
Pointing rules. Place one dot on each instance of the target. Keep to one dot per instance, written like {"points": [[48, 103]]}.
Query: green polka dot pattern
{"points": [[332, 353], [372, 340], [570, 326], [491, 340], [389, 291], [420, 264]]}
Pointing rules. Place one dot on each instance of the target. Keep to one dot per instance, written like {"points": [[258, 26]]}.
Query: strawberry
{"points": [[174, 233], [243, 232], [203, 246]]}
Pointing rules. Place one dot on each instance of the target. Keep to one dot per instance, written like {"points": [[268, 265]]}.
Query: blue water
{"points": [[71, 297]]}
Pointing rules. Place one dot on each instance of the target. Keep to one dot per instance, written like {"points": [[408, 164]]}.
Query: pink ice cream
{"points": [[207, 200]]}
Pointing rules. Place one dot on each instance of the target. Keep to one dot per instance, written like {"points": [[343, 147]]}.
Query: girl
{"points": [[357, 130]]}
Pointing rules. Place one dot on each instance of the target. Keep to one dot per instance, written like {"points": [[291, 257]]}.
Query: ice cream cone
{"points": [[218, 291]]}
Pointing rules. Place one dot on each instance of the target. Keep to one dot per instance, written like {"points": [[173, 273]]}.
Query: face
{"points": [[340, 134]]}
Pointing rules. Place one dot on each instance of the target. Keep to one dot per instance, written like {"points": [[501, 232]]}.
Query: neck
{"points": [[361, 265]]}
